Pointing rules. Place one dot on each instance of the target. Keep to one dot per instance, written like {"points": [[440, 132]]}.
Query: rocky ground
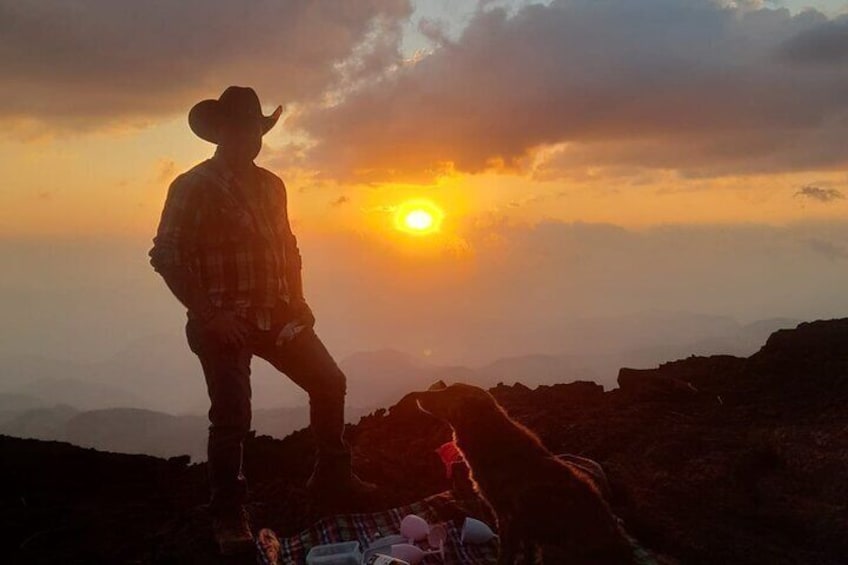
{"points": [[711, 460]]}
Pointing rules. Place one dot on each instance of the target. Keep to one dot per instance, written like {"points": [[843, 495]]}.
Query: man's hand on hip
{"points": [[227, 328], [303, 313]]}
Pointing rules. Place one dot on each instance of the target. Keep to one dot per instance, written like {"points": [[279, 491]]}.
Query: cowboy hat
{"points": [[235, 103]]}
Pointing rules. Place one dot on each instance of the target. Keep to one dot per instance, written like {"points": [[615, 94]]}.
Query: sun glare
{"points": [[419, 220], [418, 217]]}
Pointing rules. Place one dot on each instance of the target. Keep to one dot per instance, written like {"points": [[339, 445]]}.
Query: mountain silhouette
{"points": [[718, 459]]}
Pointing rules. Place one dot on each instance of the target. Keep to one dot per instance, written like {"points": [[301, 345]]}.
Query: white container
{"points": [[381, 545], [345, 553]]}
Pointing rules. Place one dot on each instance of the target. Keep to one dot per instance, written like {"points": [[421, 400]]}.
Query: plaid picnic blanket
{"points": [[441, 509]]}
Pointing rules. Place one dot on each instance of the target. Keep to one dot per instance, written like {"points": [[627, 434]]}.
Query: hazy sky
{"points": [[590, 158]]}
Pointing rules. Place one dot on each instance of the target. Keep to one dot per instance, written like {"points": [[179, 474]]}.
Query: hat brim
{"points": [[206, 117]]}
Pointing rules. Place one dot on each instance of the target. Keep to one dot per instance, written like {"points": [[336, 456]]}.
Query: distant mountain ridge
{"points": [[572, 349], [393, 372], [136, 430], [105, 416]]}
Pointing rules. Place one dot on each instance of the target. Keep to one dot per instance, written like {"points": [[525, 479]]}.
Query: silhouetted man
{"points": [[226, 250]]}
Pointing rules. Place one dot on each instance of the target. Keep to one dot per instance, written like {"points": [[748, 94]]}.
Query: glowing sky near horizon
{"points": [[559, 140]]}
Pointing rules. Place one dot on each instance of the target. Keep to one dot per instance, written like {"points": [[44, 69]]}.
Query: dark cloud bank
{"points": [[86, 63], [672, 84], [681, 84]]}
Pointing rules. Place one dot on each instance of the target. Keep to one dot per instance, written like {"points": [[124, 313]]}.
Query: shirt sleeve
{"points": [[176, 236], [174, 252]]}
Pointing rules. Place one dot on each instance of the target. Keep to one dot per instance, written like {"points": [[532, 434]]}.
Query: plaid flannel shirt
{"points": [[234, 239]]}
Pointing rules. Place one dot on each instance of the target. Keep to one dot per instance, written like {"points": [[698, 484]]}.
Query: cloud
{"points": [[435, 30], [824, 44], [339, 201], [536, 199], [820, 194], [688, 85], [828, 249], [89, 63]]}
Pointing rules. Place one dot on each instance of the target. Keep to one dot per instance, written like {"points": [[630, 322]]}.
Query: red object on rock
{"points": [[450, 454]]}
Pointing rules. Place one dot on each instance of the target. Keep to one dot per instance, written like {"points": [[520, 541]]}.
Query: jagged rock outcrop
{"points": [[813, 353]]}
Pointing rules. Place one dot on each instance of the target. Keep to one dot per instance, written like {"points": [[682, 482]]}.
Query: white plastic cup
{"points": [[476, 532]]}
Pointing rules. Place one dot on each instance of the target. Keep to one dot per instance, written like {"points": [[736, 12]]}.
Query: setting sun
{"points": [[419, 220], [418, 217]]}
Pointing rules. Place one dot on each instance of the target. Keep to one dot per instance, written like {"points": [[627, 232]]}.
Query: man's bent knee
{"points": [[330, 387]]}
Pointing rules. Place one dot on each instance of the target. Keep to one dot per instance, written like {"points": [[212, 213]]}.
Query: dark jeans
{"points": [[304, 360]]}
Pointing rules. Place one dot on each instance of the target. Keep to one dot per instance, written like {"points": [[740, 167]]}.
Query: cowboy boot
{"points": [[333, 478]]}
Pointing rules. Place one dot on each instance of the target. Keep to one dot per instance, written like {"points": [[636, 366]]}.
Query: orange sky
{"points": [[696, 148], [114, 183], [681, 154]]}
